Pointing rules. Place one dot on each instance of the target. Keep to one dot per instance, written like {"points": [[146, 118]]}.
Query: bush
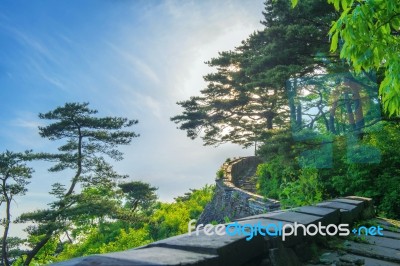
{"points": [[270, 176], [220, 173], [306, 190]]}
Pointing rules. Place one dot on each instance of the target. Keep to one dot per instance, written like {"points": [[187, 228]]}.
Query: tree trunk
{"points": [[360, 123], [37, 248], [269, 121], [292, 106], [331, 126], [79, 171], [299, 117], [4, 255], [321, 110], [69, 238], [349, 110], [326, 122]]}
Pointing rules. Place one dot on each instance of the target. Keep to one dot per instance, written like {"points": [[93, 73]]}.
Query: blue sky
{"points": [[127, 58]]}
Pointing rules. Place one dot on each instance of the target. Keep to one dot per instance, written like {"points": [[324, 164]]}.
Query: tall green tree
{"points": [[246, 97], [14, 249], [14, 178], [86, 138]]}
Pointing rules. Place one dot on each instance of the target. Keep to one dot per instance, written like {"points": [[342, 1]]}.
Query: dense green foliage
{"points": [[101, 236], [283, 177], [370, 31], [171, 219], [14, 177], [367, 33], [379, 181]]}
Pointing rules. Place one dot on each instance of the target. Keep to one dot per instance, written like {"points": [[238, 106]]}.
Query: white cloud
{"points": [[135, 63], [25, 123], [32, 42], [50, 78]]}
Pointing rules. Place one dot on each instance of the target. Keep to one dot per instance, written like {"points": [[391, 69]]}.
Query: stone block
{"points": [[353, 259], [274, 228], [349, 201], [366, 200], [231, 250], [348, 212], [372, 251], [328, 216], [291, 216], [391, 234], [262, 216], [146, 256], [369, 210], [383, 241], [324, 215], [348, 259]]}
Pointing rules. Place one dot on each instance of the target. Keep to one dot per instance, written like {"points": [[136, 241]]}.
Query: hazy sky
{"points": [[127, 58]]}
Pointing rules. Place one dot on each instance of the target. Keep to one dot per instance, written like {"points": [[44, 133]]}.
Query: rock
{"points": [[326, 258], [359, 262], [283, 257]]}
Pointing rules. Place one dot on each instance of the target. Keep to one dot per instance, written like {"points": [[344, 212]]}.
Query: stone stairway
{"points": [[235, 194], [248, 180]]}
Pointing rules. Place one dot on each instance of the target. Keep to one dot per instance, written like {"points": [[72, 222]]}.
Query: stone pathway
{"points": [[248, 181], [245, 178], [365, 250]]}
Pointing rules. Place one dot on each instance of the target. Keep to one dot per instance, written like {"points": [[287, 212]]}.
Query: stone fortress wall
{"points": [[235, 195]]}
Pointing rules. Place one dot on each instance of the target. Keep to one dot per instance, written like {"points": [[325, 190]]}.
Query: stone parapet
{"points": [[203, 249]]}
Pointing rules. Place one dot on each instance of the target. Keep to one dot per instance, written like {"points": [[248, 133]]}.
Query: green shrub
{"points": [[220, 173], [271, 175], [306, 190]]}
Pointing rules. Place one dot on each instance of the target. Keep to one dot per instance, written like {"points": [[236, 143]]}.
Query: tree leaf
{"points": [[334, 41], [344, 4]]}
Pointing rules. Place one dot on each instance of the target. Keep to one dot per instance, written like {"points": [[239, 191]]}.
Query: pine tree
{"points": [[247, 98], [14, 178], [87, 138]]}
